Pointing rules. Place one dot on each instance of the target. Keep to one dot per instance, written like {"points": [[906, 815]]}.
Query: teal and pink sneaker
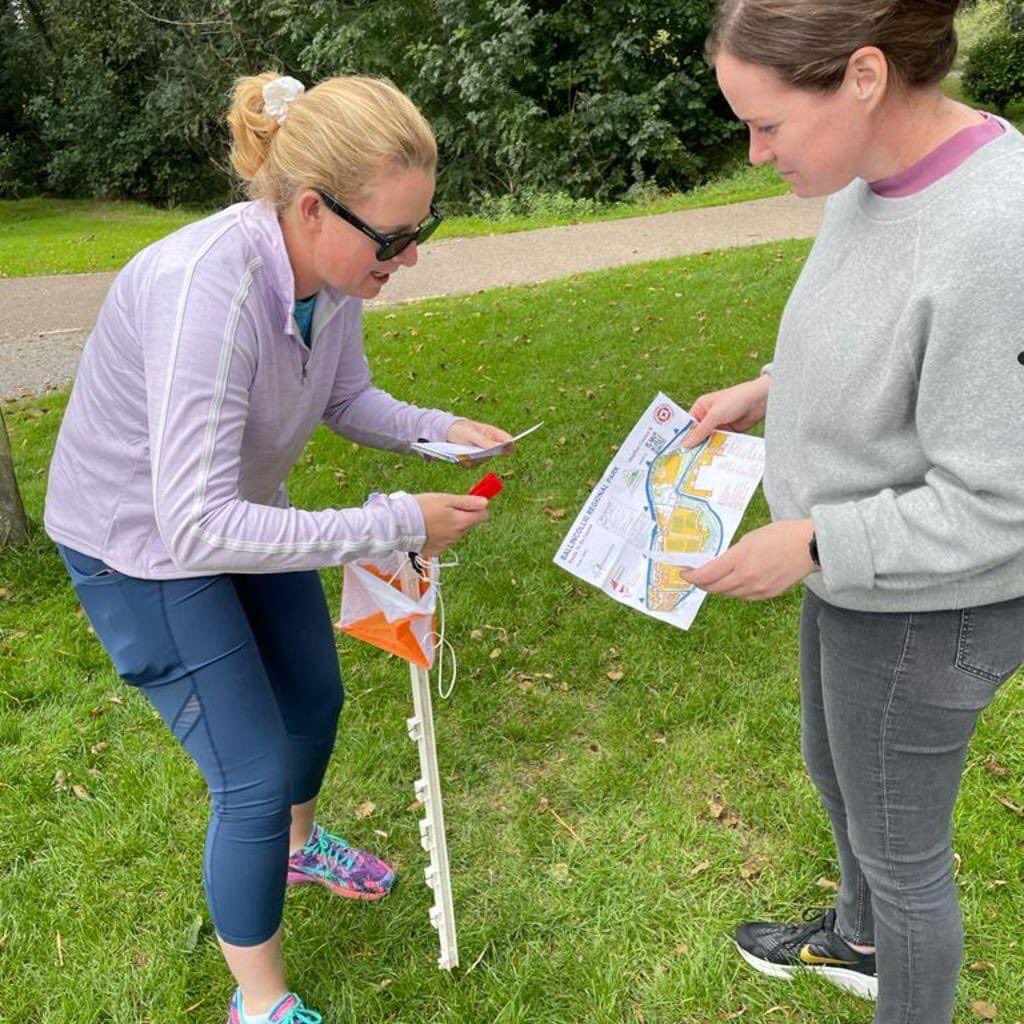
{"points": [[329, 861], [288, 1011]]}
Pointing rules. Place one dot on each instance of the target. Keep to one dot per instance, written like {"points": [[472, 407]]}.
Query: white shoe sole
{"points": [[850, 981]]}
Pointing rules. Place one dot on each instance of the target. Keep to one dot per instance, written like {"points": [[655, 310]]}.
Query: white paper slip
{"points": [[659, 509], [466, 453]]}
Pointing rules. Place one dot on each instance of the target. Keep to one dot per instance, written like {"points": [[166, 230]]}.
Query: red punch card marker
{"points": [[488, 487]]}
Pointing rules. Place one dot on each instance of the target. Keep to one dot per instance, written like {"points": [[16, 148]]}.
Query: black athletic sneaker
{"points": [[781, 950]]}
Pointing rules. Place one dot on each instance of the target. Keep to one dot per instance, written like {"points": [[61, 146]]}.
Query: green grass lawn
{"points": [[67, 236], [102, 917]]}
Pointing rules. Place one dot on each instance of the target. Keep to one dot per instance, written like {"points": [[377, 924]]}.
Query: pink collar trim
{"points": [[940, 161]]}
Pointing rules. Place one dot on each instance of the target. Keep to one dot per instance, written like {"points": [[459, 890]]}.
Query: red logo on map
{"points": [[662, 414]]}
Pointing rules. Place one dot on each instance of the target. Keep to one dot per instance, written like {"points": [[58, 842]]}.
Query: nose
{"points": [[408, 256], [759, 153]]}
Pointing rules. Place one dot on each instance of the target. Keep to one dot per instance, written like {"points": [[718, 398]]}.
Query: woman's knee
{"points": [[252, 800]]}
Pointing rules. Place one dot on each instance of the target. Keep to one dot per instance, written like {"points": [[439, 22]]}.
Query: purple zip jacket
{"points": [[195, 396]]}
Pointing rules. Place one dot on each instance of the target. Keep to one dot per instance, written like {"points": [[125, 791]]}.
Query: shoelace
{"points": [[334, 850], [817, 920], [300, 1015]]}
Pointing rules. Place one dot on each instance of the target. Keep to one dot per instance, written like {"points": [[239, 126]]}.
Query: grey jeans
{"points": [[890, 701]]}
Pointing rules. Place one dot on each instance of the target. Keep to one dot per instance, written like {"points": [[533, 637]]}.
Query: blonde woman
{"points": [[895, 471], [217, 352]]}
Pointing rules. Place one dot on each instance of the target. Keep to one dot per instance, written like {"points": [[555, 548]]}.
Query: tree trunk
{"points": [[13, 524]]}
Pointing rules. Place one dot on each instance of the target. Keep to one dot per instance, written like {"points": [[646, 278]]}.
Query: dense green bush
{"points": [[994, 75], [21, 147], [979, 20], [589, 100], [548, 95], [134, 95]]}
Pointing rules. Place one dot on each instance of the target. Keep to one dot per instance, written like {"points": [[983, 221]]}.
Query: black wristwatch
{"points": [[812, 547]]}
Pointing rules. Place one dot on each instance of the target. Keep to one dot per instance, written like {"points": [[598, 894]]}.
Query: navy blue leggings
{"points": [[243, 670]]}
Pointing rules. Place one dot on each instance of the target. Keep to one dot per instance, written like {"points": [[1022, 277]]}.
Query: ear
{"points": [[309, 210], [867, 75]]}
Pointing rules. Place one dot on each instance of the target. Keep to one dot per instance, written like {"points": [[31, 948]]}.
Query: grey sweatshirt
{"points": [[896, 409]]}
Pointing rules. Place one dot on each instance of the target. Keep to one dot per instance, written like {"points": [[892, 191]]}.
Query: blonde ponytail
{"points": [[252, 129], [340, 136]]}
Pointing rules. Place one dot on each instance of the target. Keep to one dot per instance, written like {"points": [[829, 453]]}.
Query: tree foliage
{"points": [[994, 74], [591, 98]]}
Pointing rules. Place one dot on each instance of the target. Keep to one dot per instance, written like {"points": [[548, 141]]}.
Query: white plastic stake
{"points": [[428, 792]]}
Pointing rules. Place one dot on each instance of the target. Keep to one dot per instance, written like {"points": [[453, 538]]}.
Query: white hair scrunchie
{"points": [[278, 95]]}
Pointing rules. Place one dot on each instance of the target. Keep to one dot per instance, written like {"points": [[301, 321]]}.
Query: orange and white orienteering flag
{"points": [[376, 606]]}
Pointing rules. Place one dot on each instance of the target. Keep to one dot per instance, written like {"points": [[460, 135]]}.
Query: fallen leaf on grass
{"points": [[6, 593], [476, 634], [751, 869], [80, 791], [699, 869], [98, 748], [827, 883], [556, 515], [60, 781], [682, 949], [415, 807], [616, 674], [735, 1014], [496, 653], [993, 767], [982, 966], [986, 1011], [722, 813], [365, 809]]}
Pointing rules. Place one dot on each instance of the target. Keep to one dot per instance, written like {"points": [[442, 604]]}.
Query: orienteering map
{"points": [[660, 508]]}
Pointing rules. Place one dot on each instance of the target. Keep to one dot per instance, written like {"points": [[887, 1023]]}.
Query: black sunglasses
{"points": [[388, 246]]}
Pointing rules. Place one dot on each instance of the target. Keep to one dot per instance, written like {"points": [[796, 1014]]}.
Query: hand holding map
{"points": [[661, 509], [465, 454]]}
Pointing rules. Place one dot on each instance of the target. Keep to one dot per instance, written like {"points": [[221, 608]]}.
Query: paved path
{"points": [[44, 321]]}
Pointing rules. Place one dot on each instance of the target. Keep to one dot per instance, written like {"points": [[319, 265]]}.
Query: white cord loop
{"points": [[438, 636]]}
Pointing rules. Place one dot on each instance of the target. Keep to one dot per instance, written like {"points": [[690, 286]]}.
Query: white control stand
{"points": [[428, 793]]}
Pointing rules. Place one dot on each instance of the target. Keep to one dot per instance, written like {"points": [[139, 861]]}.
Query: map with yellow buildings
{"points": [[685, 523], [659, 509]]}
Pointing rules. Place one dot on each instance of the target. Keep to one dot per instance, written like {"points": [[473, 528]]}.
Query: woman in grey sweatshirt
{"points": [[895, 469]]}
